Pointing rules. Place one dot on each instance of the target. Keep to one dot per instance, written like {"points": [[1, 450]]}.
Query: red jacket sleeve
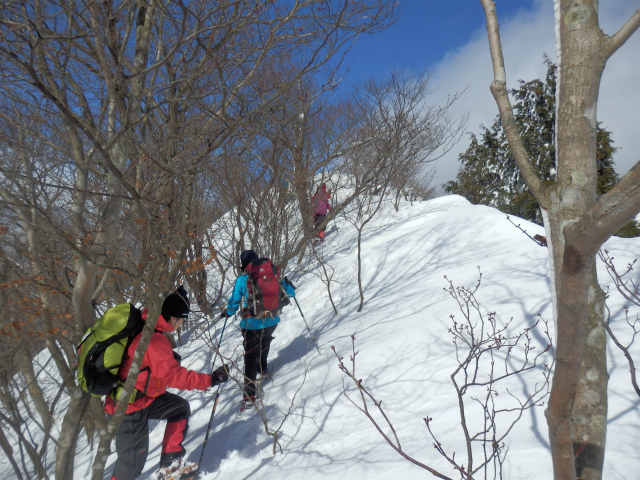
{"points": [[164, 366]]}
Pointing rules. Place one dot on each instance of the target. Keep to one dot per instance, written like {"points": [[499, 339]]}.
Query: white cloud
{"points": [[619, 102], [526, 37]]}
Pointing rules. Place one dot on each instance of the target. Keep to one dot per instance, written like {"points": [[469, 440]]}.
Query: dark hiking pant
{"points": [[256, 351], [317, 220], [132, 438]]}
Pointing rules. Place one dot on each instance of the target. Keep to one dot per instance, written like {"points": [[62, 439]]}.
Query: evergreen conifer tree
{"points": [[488, 174]]}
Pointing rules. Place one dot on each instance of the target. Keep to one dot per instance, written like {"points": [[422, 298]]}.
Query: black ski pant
{"points": [[317, 220], [132, 438], [256, 351]]}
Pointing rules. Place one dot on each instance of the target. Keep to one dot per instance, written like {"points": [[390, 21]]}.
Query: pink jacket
{"points": [[320, 201]]}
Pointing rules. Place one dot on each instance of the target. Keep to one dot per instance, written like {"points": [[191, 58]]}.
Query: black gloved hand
{"points": [[288, 282], [224, 314], [220, 375]]}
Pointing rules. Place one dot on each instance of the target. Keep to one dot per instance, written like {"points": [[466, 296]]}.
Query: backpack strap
{"points": [[136, 394], [86, 336], [134, 397]]}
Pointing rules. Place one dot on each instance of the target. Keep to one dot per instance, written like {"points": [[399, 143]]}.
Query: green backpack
{"points": [[100, 353]]}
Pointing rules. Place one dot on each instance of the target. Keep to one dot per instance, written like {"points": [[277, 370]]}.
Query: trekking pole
{"points": [[305, 322], [215, 404]]}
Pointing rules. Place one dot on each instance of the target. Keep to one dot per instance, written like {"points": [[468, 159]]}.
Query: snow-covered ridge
{"points": [[406, 355]]}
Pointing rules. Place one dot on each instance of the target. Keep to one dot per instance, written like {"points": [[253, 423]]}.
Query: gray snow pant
{"points": [[132, 438]]}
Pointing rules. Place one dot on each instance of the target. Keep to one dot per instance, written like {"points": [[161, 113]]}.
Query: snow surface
{"points": [[405, 356]]}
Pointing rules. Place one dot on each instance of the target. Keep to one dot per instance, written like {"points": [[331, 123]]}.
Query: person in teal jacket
{"points": [[256, 332]]}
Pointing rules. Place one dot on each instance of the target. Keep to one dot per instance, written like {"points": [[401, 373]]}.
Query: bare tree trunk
{"points": [[104, 444], [69, 433], [95, 420], [360, 268], [165, 268], [326, 277], [60, 360], [31, 383], [8, 451], [577, 226], [589, 418]]}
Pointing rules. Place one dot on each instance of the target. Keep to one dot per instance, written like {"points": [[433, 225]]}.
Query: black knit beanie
{"points": [[176, 304], [246, 258]]}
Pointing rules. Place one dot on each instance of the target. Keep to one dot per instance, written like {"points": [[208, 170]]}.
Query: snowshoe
{"points": [[178, 470], [248, 405]]}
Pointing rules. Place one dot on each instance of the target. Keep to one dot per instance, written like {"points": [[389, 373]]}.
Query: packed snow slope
{"points": [[405, 357]]}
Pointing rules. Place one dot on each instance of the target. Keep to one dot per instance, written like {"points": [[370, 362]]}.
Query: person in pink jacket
{"points": [[321, 207]]}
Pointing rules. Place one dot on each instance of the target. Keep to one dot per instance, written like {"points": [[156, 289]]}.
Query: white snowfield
{"points": [[405, 357]]}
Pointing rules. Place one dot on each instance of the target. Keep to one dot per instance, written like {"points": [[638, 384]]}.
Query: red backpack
{"points": [[266, 297]]}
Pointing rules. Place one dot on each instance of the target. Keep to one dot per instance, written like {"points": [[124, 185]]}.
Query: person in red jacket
{"points": [[160, 369]]}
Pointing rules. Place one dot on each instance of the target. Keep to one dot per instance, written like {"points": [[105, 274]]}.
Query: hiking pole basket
{"points": [[309, 330], [215, 404]]}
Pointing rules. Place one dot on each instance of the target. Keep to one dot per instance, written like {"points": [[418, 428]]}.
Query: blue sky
{"points": [[425, 32], [448, 37]]}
